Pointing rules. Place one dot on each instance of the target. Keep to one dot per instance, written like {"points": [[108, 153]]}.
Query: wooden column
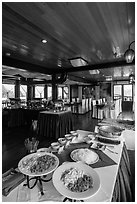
{"points": [[70, 93], [97, 92], [29, 89], [17, 88], [80, 93], [54, 88], [33, 91], [46, 91], [62, 92]]}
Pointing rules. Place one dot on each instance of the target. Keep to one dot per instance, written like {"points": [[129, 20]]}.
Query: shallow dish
{"points": [[59, 185], [84, 155], [30, 160]]}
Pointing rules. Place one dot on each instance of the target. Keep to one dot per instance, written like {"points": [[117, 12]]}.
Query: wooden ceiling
{"points": [[99, 32]]}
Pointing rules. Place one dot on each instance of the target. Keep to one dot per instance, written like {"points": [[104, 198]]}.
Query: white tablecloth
{"points": [[107, 176]]}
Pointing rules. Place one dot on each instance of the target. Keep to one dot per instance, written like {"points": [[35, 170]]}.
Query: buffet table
{"points": [[114, 175], [31, 114], [16, 117], [54, 124]]}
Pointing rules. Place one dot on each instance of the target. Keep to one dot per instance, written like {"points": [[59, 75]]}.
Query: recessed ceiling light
{"points": [[108, 78], [44, 41], [78, 61], [8, 54], [96, 71]]}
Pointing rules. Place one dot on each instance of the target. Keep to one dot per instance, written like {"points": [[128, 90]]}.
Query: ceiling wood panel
{"points": [[96, 31]]}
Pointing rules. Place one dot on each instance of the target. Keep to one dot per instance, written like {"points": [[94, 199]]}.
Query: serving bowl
{"points": [[110, 131]]}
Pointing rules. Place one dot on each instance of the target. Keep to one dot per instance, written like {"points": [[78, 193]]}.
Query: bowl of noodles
{"points": [[76, 180]]}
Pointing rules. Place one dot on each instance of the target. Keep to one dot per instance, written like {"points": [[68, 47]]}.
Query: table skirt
{"points": [[54, 125], [122, 189]]}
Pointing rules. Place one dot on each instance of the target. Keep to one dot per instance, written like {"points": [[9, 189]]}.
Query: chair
{"points": [[106, 112], [73, 100], [112, 114], [90, 103], [94, 113], [78, 100], [100, 114], [87, 106], [104, 100]]}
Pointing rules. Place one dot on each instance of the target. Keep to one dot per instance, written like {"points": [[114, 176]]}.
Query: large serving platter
{"points": [[30, 160], [85, 155], [62, 189]]}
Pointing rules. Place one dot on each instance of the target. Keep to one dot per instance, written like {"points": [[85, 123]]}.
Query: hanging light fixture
{"points": [[131, 78], [129, 54]]}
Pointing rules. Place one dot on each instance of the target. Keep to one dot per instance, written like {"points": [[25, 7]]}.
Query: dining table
{"points": [[113, 169], [16, 117], [54, 124]]}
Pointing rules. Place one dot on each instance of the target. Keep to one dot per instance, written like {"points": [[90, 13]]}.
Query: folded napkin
{"points": [[10, 180], [104, 160]]}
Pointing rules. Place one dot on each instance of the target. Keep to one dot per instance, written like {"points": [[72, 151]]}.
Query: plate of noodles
{"points": [[76, 180], [38, 164]]}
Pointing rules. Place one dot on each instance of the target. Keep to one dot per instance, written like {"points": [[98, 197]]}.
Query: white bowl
{"points": [[55, 145], [68, 136], [62, 140], [75, 134], [71, 132], [91, 136]]}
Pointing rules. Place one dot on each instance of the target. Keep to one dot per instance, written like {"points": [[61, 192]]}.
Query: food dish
{"points": [[61, 188], [76, 180], [85, 155], [44, 150], [38, 164], [110, 131]]}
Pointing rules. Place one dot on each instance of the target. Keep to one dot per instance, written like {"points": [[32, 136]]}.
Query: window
{"points": [[127, 90], [117, 91], [8, 91], [66, 92], [39, 91], [59, 92], [49, 92], [23, 92], [124, 92]]}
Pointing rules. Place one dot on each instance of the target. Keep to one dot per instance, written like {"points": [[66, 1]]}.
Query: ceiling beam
{"points": [[25, 65], [41, 69], [103, 65]]}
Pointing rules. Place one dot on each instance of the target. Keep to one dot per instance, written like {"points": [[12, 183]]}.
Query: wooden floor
{"points": [[13, 143]]}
